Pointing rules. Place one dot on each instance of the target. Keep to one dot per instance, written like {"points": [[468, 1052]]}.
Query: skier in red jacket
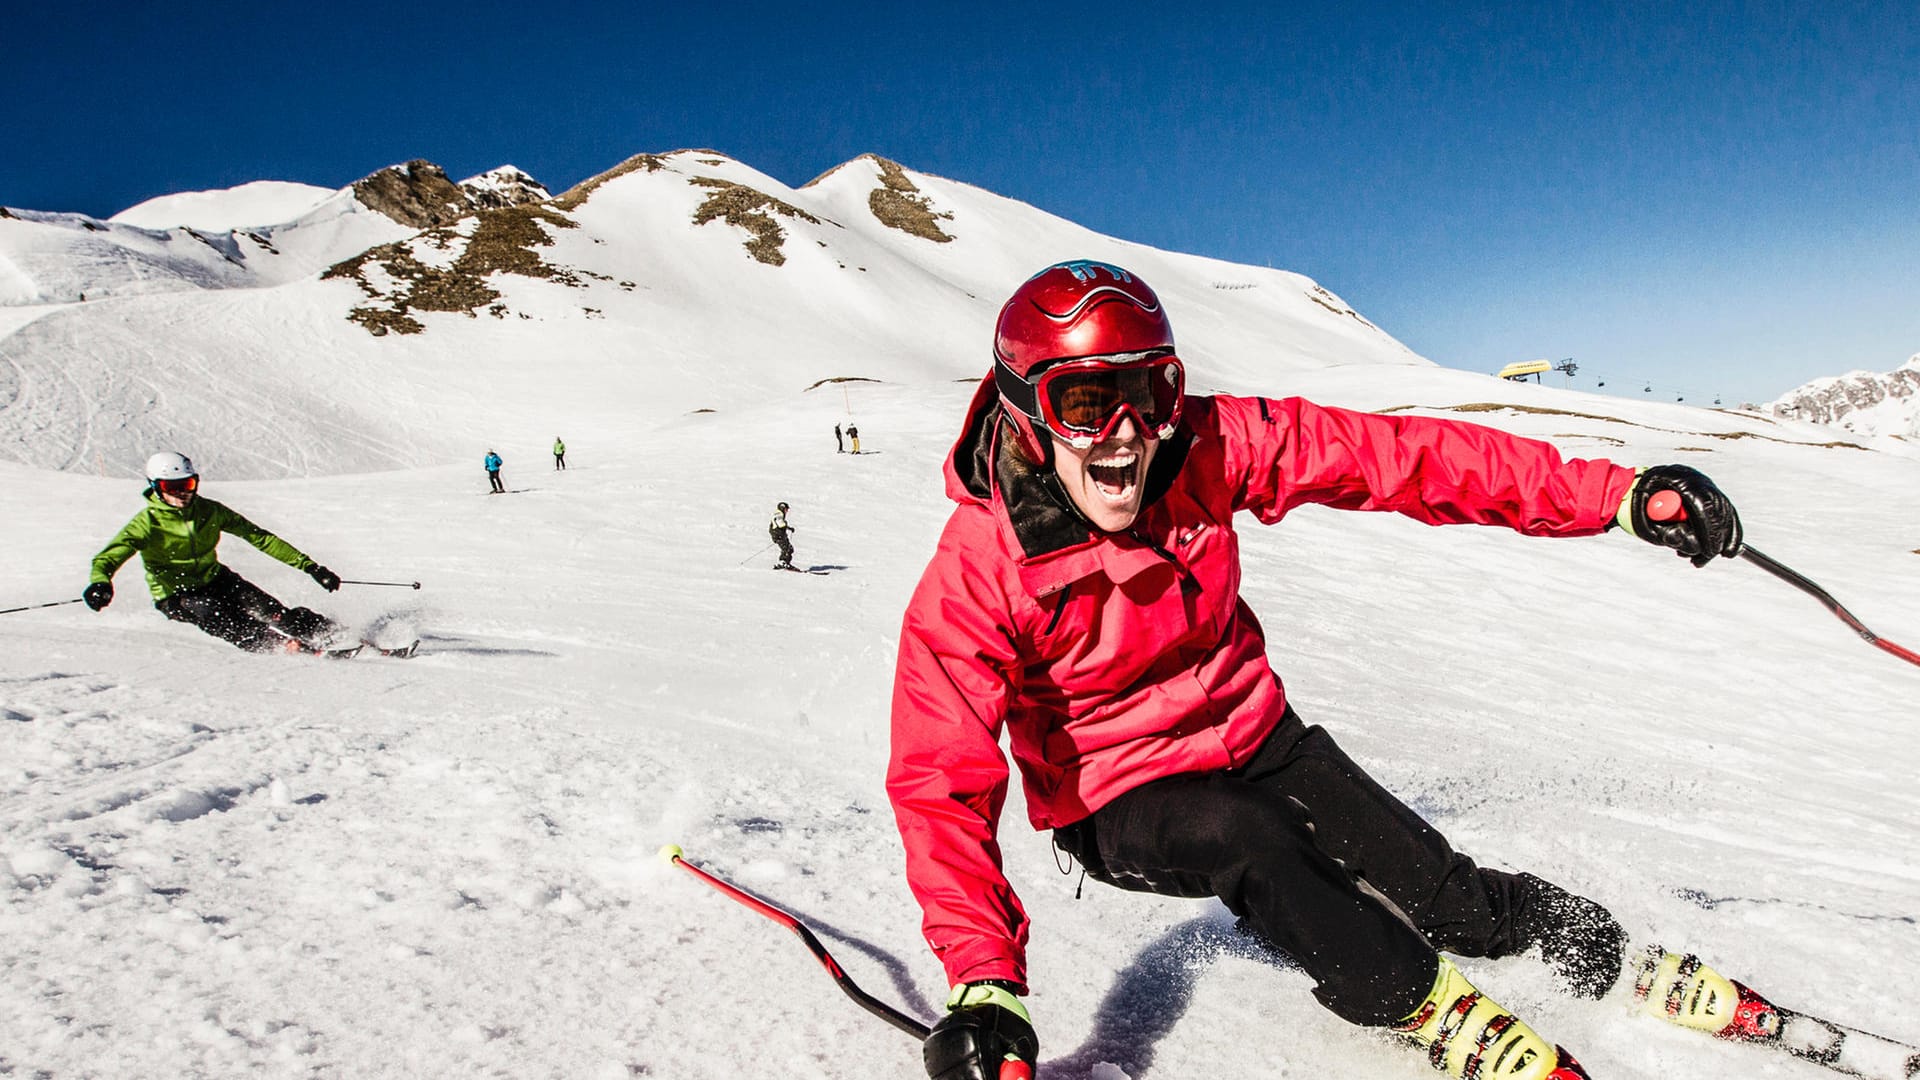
{"points": [[1085, 597]]}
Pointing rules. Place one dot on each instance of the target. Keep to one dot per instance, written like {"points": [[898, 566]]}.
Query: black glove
{"points": [[98, 595], [324, 577], [1707, 527], [984, 1026]]}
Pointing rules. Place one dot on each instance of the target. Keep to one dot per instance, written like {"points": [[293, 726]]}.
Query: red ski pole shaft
{"points": [[1666, 506], [672, 854], [1011, 1069]]}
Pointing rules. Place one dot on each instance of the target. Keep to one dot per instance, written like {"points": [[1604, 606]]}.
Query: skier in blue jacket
{"points": [[493, 464]]}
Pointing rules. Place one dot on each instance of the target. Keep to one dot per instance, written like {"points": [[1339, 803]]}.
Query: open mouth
{"points": [[1115, 477]]}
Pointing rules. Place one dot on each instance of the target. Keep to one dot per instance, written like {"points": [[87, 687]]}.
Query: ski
{"points": [[1695, 996], [401, 652], [1846, 1050]]}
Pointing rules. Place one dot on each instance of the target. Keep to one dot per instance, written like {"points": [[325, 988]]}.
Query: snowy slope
{"points": [[246, 206], [639, 315], [218, 864], [50, 258]]}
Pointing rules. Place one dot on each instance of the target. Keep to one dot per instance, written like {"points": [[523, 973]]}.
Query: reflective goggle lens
{"points": [[1083, 400], [185, 485]]}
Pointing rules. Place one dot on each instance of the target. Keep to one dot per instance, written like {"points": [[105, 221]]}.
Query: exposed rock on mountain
{"points": [[898, 204], [745, 208], [572, 197], [500, 188], [416, 194], [1860, 401], [417, 278]]}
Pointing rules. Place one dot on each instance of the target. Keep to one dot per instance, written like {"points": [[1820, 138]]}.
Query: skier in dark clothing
{"points": [[838, 446], [493, 463], [175, 537], [1085, 599], [780, 531]]}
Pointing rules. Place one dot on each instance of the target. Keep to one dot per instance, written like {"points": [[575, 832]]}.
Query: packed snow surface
{"points": [[222, 864]]}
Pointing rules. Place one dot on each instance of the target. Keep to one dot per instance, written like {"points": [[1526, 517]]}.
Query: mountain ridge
{"points": [[1864, 402]]}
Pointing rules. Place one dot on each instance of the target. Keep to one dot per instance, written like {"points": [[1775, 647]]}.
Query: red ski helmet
{"points": [[1085, 311]]}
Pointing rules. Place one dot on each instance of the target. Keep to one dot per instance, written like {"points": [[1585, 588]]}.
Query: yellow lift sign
{"points": [[1519, 370]]}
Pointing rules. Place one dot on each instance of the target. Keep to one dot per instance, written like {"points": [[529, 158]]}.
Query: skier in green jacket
{"points": [[175, 536]]}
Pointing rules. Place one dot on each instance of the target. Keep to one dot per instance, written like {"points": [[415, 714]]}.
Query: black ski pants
{"points": [[786, 546], [234, 609], [493, 481], [1320, 859]]}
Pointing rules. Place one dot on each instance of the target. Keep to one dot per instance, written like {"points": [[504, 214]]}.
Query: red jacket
{"points": [[1117, 658]]}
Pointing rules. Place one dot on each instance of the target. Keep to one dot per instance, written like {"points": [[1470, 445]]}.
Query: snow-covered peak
{"points": [[1863, 402], [248, 206], [502, 187]]}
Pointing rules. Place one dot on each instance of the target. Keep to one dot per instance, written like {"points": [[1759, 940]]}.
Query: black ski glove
{"points": [[1708, 525], [324, 578], [98, 595], [985, 1029]]}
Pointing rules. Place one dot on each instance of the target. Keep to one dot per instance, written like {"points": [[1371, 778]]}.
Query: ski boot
{"points": [[1469, 1036], [1682, 990]]}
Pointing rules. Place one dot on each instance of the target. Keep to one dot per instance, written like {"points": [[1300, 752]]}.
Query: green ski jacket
{"points": [[176, 545]]}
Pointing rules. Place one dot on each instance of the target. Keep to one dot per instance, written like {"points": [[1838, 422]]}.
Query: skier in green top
{"points": [[175, 536]]}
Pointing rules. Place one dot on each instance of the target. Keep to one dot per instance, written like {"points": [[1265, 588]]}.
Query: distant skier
{"points": [[839, 447], [1084, 603], [559, 454], [780, 530], [493, 464], [175, 537], [853, 436]]}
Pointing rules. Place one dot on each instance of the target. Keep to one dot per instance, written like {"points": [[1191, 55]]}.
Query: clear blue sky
{"points": [[1711, 198]]}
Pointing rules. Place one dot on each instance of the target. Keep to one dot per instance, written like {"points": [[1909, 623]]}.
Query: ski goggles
{"points": [[1083, 401], [177, 486]]}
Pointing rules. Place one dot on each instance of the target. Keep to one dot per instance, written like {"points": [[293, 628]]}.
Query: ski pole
{"points": [[755, 555], [673, 855], [1009, 1070], [55, 603], [396, 584], [1666, 506]]}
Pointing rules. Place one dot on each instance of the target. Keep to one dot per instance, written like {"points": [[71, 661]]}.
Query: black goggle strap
{"points": [[1016, 391]]}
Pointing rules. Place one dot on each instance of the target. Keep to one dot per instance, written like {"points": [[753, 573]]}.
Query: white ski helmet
{"points": [[168, 465]]}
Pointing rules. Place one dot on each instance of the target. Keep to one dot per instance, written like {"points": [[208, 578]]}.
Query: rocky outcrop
{"points": [[503, 187], [497, 242], [899, 204], [417, 194], [576, 195], [746, 208], [1860, 401]]}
